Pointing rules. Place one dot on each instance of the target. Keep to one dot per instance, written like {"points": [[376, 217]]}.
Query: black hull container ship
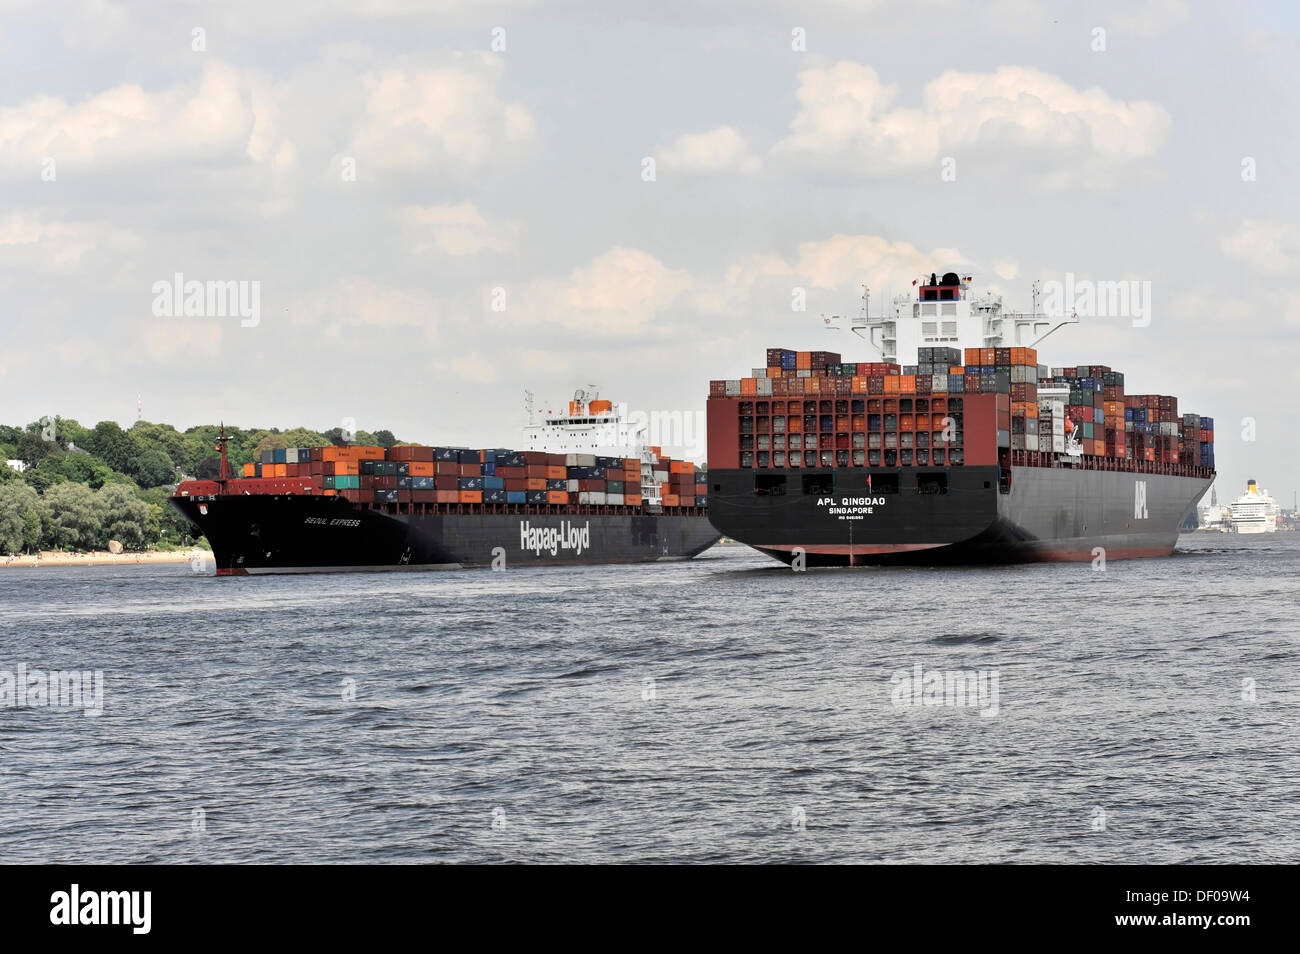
{"points": [[410, 507], [974, 455]]}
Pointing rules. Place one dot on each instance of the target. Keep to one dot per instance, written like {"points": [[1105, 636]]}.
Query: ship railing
{"points": [[1026, 458]]}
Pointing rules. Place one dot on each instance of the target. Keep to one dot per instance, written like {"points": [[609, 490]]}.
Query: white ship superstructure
{"points": [[946, 315], [1255, 511], [591, 427]]}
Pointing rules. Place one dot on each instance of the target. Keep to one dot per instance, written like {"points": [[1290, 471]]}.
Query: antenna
{"points": [[139, 406], [1035, 292], [529, 407]]}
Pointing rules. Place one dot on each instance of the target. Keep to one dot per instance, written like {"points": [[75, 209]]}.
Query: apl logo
{"points": [[1140, 500]]}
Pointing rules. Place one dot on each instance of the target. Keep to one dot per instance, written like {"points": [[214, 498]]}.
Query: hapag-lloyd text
{"points": [[567, 536]]}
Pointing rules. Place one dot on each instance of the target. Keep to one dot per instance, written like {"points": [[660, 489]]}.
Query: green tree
{"points": [[44, 475], [172, 526], [84, 469], [75, 516], [154, 468], [112, 445], [34, 448], [124, 517], [21, 510]]}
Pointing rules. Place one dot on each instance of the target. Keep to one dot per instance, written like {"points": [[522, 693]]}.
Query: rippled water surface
{"points": [[727, 709]]}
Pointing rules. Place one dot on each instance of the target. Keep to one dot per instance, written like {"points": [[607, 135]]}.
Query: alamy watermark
{"points": [[55, 688], [179, 298], [953, 688], [678, 429], [1085, 298]]}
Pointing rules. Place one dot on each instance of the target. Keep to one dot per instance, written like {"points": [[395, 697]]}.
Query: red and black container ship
{"points": [[410, 507], [974, 455]]}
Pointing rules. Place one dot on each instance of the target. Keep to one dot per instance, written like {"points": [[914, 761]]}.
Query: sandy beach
{"points": [[99, 558]]}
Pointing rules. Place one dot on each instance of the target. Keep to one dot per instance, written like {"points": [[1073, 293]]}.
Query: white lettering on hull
{"points": [[567, 536]]}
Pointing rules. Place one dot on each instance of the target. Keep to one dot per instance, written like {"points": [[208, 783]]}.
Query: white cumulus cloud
{"points": [[458, 229], [718, 150], [449, 114], [1266, 246], [210, 116], [849, 119]]}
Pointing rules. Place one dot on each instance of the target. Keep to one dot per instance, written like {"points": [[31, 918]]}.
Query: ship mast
{"points": [[222, 441]]}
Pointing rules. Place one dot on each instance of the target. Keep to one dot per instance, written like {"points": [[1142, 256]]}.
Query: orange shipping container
{"points": [[860, 384], [534, 483], [471, 496], [421, 468], [670, 500], [803, 360], [749, 386], [907, 384], [972, 356], [681, 467], [557, 497], [556, 473], [632, 500], [250, 470], [631, 463]]}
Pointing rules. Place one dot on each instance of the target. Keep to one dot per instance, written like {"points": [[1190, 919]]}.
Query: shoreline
{"points": [[99, 558]]}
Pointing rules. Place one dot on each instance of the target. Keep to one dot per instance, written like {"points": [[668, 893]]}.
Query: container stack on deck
{"points": [[415, 474], [811, 409]]}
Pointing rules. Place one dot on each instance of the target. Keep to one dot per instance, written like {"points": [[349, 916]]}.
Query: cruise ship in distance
{"points": [[1255, 511]]}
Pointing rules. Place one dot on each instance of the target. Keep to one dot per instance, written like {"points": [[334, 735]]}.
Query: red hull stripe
{"points": [[232, 571], [856, 549]]}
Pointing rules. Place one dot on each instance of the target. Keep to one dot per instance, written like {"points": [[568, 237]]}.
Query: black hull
{"points": [[315, 534], [1046, 514]]}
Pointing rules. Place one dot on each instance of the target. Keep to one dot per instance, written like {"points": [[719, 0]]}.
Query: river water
{"points": [[726, 709]]}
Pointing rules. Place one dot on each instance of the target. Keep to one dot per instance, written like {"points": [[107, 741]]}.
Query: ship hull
{"points": [[258, 534], [1045, 514]]}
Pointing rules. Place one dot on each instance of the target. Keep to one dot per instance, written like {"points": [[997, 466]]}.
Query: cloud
{"points": [[54, 244], [211, 116], [1150, 17], [358, 302], [719, 150], [473, 368], [1265, 246], [621, 293], [848, 119], [458, 229], [452, 114]]}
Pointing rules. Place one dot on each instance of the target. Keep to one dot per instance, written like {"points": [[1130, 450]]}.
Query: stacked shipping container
{"points": [[414, 474], [811, 409]]}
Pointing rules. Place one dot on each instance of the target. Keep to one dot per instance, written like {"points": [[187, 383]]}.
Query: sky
{"points": [[442, 205]]}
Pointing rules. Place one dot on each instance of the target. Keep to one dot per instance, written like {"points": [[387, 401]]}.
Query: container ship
{"points": [[975, 454], [570, 499]]}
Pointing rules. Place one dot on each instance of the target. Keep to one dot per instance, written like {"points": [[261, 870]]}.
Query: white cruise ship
{"points": [[1254, 511]]}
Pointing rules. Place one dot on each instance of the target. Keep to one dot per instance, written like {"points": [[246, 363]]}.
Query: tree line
{"points": [[81, 487]]}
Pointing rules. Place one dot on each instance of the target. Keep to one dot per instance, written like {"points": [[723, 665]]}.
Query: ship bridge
{"points": [[943, 312]]}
